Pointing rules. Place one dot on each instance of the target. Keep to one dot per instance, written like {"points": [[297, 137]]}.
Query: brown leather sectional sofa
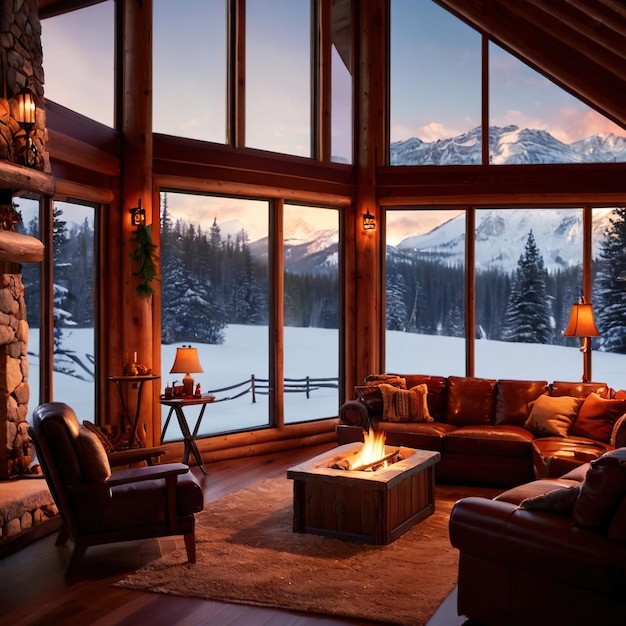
{"points": [[481, 426], [552, 551]]}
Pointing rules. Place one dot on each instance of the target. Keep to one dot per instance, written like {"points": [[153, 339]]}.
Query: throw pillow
{"points": [[602, 491], [597, 417], [550, 416], [557, 501], [93, 457], [373, 380], [102, 436], [405, 405]]}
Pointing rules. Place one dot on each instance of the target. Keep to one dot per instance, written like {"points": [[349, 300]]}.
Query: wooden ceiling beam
{"points": [[610, 13], [590, 30]]}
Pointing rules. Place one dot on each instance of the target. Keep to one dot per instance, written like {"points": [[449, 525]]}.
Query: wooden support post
{"points": [[139, 313]]}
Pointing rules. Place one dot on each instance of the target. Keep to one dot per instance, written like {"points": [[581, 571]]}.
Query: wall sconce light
{"points": [[581, 324], [138, 215], [186, 362], [26, 118], [369, 221]]}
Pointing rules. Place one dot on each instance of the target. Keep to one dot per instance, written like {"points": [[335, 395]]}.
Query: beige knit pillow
{"points": [[405, 405]]}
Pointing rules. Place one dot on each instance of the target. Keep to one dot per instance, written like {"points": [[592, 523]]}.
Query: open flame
{"points": [[373, 450]]}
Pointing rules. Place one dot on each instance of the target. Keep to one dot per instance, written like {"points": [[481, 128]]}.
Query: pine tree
{"points": [[396, 311], [527, 316], [611, 282]]}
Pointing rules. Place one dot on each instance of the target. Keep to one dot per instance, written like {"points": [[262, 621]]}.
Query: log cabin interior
{"points": [[577, 45]]}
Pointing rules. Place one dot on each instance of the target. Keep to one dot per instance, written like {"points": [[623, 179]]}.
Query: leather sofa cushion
{"points": [[513, 398], [518, 494], [554, 456], [488, 440], [602, 491], [436, 398], [471, 401], [579, 389], [597, 416], [426, 436], [142, 503]]}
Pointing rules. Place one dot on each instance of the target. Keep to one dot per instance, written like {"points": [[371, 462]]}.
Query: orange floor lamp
{"points": [[581, 324]]}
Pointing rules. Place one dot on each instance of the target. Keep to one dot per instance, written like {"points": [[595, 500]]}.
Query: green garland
{"points": [[145, 257]]}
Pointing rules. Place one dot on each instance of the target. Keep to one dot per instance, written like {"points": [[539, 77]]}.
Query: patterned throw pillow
{"points": [[374, 380], [405, 405], [101, 435], [550, 416], [597, 416]]}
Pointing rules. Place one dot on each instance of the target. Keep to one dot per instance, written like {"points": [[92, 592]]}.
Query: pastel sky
{"points": [[435, 79]]}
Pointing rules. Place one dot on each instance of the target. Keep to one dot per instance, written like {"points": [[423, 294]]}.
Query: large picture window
{"points": [[80, 60], [73, 312], [189, 69], [278, 76], [424, 312], [435, 79], [215, 296], [311, 313]]}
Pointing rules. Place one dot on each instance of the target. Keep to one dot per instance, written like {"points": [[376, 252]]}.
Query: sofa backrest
{"points": [[471, 401], [513, 398], [579, 389]]}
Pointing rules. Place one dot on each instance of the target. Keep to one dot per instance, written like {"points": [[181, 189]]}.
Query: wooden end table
{"points": [[127, 419], [177, 406]]}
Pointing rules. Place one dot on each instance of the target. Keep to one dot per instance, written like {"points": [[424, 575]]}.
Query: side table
{"points": [[176, 406], [127, 419]]}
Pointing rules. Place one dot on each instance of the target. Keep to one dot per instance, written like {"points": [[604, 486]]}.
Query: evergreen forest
{"points": [[208, 281]]}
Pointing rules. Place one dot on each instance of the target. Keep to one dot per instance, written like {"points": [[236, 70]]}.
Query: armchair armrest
{"points": [[354, 413], [618, 435], [134, 455], [132, 475]]}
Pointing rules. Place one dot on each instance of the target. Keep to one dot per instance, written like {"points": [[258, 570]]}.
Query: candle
{"points": [[134, 357]]}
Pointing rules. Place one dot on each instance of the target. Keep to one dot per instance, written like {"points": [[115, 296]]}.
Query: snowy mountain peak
{"points": [[508, 145], [501, 236]]}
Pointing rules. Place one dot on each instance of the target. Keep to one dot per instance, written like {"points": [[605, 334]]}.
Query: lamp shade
{"points": [[186, 361], [581, 322]]}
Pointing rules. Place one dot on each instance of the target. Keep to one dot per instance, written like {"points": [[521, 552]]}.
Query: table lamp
{"points": [[186, 362], [581, 324]]}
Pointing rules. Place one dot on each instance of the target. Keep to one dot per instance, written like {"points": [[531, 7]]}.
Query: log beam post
{"points": [[138, 313], [369, 149]]}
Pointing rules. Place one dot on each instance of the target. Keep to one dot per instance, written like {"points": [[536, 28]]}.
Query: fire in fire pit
{"points": [[372, 455]]}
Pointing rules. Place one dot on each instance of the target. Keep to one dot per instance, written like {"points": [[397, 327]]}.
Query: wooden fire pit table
{"points": [[374, 507]]}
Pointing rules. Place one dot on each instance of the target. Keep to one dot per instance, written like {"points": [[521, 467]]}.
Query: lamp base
{"points": [[188, 385]]}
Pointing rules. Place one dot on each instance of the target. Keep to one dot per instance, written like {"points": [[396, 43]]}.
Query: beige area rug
{"points": [[247, 553]]}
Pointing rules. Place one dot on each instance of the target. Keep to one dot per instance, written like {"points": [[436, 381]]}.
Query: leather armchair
{"points": [[97, 506]]}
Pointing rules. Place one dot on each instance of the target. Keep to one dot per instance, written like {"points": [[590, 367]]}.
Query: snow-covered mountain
{"points": [[501, 236], [508, 145]]}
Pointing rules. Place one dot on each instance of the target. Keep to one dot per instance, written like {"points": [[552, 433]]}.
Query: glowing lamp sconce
{"points": [[138, 215], [581, 324], [369, 221], [26, 117]]}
